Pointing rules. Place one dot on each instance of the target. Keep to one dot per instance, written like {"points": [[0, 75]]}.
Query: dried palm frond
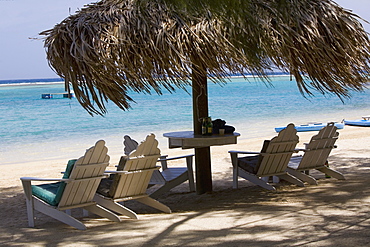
{"points": [[113, 46]]}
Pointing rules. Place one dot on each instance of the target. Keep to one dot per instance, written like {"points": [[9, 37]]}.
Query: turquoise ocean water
{"points": [[35, 129]]}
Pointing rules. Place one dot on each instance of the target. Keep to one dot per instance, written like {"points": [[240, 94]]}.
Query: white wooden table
{"points": [[187, 139]]}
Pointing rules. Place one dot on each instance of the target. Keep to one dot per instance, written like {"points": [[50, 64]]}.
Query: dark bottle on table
{"points": [[204, 126], [207, 126]]}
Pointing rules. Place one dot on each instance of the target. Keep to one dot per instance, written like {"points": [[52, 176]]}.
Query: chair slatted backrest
{"points": [[319, 148], [276, 156], [86, 175], [129, 146], [140, 164]]}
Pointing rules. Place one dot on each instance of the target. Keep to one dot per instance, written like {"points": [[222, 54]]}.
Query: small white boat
{"points": [[311, 127], [364, 122]]}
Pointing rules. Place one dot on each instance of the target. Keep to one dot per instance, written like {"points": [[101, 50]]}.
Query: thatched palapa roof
{"points": [[113, 46]]}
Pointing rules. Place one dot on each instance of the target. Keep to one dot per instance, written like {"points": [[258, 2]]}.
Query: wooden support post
{"points": [[200, 110], [203, 170]]}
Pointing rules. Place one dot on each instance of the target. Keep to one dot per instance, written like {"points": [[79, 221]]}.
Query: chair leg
{"points": [[302, 176], [189, 164], [235, 177], [255, 179], [98, 210], [331, 173], [69, 220], [161, 190], [58, 215], [115, 207], [30, 213], [154, 204], [29, 202], [234, 162], [291, 179], [275, 179], [85, 213], [169, 185]]}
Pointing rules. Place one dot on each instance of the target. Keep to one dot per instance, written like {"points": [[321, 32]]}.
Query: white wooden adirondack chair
{"points": [[131, 180], [75, 190], [315, 156], [271, 161], [168, 177]]}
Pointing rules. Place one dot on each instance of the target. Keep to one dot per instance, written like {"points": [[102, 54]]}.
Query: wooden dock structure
{"points": [[52, 95]]}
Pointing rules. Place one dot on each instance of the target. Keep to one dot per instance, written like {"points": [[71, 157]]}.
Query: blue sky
{"points": [[20, 20]]}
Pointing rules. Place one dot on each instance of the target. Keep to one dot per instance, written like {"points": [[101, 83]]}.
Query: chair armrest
{"points": [[108, 172], [42, 179], [26, 183], [162, 158], [115, 172], [132, 172]]}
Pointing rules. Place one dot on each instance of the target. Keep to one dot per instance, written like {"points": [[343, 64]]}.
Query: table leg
{"points": [[203, 170]]}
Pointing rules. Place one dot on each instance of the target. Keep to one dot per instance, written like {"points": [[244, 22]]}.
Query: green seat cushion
{"points": [[52, 193], [69, 168], [47, 192]]}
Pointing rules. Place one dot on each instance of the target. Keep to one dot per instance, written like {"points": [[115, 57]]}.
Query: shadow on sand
{"points": [[332, 213]]}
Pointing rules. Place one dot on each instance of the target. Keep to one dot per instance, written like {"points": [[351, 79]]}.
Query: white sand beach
{"points": [[333, 213]]}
